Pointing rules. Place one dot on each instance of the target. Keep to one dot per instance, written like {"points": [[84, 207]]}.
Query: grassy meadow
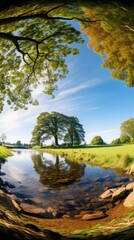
{"points": [[118, 157]]}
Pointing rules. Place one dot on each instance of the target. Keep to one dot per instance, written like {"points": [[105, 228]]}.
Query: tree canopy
{"points": [[127, 128], [58, 126], [97, 140], [75, 134], [36, 37], [112, 36], [34, 44]]}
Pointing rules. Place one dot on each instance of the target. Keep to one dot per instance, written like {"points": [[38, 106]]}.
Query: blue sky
{"points": [[89, 93]]}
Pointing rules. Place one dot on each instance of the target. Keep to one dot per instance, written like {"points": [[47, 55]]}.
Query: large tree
{"points": [[127, 128], [49, 125], [58, 126], [75, 133]]}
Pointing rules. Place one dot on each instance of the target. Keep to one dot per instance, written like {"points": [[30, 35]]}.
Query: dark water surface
{"points": [[44, 180]]}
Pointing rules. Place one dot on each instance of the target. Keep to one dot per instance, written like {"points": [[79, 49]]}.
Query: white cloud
{"points": [[104, 131], [81, 86]]}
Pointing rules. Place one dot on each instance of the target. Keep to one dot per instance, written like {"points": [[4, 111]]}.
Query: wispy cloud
{"points": [[104, 131], [79, 87]]}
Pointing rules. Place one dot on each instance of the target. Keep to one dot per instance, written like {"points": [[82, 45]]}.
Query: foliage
{"points": [[75, 133], [18, 143], [97, 140], [125, 139], [4, 152], [36, 38], [112, 37], [49, 125], [57, 125], [127, 128], [116, 141], [34, 44]]}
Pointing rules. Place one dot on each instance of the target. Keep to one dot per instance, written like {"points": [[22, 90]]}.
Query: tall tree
{"points": [[75, 133], [58, 126], [127, 128], [50, 125]]}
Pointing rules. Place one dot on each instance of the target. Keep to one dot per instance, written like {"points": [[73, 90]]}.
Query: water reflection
{"points": [[43, 181], [57, 172], [2, 161]]}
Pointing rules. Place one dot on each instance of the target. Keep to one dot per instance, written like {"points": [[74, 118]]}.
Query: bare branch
{"points": [[131, 29]]}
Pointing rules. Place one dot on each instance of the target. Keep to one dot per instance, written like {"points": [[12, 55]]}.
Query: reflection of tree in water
{"points": [[2, 161], [57, 174]]}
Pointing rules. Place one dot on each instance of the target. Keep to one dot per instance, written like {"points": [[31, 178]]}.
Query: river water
{"points": [[42, 180]]}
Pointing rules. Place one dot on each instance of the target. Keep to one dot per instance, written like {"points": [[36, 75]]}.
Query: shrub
{"points": [[97, 140], [125, 139]]}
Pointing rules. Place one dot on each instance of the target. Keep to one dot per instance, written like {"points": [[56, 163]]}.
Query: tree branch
{"points": [[45, 16]]}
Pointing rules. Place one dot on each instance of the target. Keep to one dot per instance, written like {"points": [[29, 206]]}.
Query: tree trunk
{"points": [[56, 140]]}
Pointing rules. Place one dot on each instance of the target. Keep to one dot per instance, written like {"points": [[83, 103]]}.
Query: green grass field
{"points": [[120, 157]]}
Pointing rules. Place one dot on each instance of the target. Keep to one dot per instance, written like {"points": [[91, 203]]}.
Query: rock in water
{"points": [[129, 201], [130, 186], [119, 193]]}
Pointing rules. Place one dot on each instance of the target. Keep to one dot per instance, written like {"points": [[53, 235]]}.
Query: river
{"points": [[44, 181]]}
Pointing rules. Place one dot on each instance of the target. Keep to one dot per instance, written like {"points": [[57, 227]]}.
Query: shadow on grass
{"points": [[83, 146]]}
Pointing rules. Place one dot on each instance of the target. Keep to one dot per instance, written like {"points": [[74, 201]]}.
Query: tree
{"points": [[50, 125], [97, 140], [113, 38], [58, 126], [75, 133], [3, 137], [116, 141], [34, 44], [127, 128], [125, 139], [18, 143]]}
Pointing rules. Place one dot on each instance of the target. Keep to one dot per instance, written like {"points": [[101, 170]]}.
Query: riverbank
{"points": [[115, 157], [4, 152]]}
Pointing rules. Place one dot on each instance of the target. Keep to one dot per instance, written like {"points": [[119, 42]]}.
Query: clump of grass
{"points": [[126, 160], [118, 155]]}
